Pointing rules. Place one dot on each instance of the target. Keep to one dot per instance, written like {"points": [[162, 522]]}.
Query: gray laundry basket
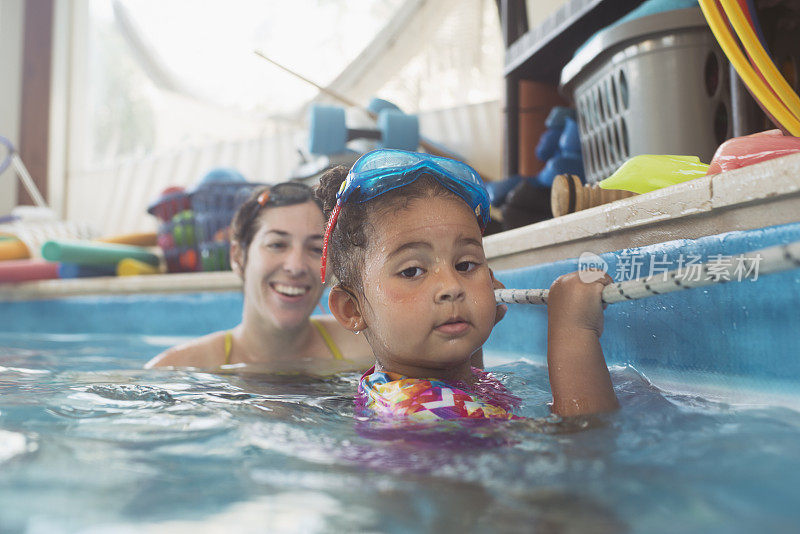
{"points": [[652, 85]]}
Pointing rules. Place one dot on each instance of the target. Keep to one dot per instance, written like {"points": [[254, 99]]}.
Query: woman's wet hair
{"points": [[348, 242], [245, 222]]}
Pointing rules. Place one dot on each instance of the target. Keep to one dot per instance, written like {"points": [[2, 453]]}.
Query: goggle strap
{"points": [[327, 237]]}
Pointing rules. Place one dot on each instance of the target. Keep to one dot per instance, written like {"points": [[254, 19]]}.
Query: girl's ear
{"points": [[237, 258], [346, 309]]}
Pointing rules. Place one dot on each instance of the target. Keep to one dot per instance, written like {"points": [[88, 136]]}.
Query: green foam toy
{"points": [[642, 174], [92, 253]]}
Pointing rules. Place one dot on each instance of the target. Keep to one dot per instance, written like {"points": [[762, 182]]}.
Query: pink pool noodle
{"points": [[26, 270]]}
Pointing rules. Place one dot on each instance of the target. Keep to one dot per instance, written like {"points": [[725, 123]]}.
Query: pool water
{"points": [[89, 442]]}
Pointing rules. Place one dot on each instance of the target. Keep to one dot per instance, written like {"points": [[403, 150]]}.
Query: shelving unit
{"points": [[540, 53]]}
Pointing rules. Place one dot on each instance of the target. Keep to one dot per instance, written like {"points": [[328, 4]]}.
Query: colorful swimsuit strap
{"points": [[228, 346], [337, 354]]}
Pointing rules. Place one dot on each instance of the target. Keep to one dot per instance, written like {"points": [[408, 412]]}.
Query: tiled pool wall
{"points": [[726, 333]]}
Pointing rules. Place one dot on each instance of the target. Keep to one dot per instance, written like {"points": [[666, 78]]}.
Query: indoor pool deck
{"points": [[735, 342]]}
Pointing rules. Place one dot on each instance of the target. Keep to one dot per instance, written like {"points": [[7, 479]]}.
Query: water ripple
{"points": [[134, 392], [13, 444]]}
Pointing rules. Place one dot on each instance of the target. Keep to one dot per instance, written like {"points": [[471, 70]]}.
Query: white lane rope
{"points": [[721, 270]]}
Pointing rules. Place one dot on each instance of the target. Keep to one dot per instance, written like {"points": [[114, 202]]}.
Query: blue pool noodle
{"points": [[75, 270]]}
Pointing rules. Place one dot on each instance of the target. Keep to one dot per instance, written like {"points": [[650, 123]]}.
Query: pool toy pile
{"points": [[193, 236], [35, 245], [193, 225], [193, 230]]}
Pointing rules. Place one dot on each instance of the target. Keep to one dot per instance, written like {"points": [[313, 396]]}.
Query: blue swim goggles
{"points": [[380, 171]]}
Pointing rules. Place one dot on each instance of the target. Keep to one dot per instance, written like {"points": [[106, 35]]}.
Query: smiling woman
{"points": [[276, 247]]}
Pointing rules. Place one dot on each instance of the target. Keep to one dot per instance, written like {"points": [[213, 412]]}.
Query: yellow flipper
{"points": [[642, 174]]}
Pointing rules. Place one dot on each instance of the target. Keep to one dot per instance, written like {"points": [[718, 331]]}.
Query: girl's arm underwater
{"points": [[579, 377]]}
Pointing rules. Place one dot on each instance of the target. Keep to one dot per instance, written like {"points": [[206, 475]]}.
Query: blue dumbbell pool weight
{"points": [[329, 134], [376, 105]]}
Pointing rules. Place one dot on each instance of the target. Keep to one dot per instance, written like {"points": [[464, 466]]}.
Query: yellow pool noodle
{"points": [[13, 249], [131, 267]]}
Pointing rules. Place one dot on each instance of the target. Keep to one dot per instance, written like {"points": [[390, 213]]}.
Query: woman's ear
{"points": [[237, 258], [346, 309]]}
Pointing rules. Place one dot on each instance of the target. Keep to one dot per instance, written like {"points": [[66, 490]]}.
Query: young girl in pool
{"points": [[404, 241]]}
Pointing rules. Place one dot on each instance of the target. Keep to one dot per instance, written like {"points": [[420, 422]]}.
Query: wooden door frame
{"points": [[34, 131]]}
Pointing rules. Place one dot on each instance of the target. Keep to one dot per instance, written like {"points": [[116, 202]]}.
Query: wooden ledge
{"points": [[765, 194], [122, 285]]}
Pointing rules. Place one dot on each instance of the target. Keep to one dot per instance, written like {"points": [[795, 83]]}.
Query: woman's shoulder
{"points": [[205, 352], [354, 348]]}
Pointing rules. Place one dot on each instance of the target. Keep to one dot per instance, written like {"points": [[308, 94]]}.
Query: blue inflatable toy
{"points": [[559, 147], [500, 189]]}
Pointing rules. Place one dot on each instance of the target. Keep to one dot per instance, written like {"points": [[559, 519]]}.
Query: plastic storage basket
{"points": [[656, 84], [194, 229]]}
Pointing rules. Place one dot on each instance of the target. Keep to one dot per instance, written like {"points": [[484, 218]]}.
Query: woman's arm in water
{"points": [[205, 352], [579, 378]]}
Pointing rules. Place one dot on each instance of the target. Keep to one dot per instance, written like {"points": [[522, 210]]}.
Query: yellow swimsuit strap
{"points": [[337, 354], [228, 346]]}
